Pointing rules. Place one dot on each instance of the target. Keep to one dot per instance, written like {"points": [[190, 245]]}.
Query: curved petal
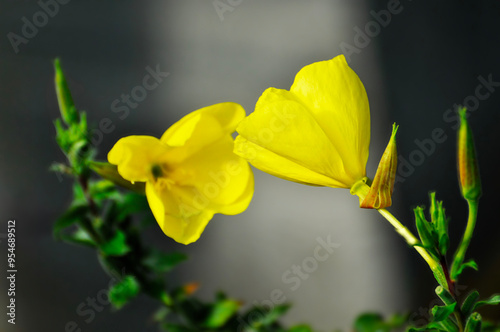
{"points": [[283, 138], [135, 155], [337, 99], [219, 175], [178, 213], [204, 125]]}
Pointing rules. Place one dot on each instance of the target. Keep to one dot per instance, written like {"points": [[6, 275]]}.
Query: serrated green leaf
{"points": [[493, 300], [221, 312], [70, 217], [117, 246], [163, 262], [469, 303], [125, 290], [440, 313]]}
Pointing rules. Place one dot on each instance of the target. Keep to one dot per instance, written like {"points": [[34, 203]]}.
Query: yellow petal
{"points": [[337, 99], [220, 176], [283, 138], [178, 213], [135, 155], [205, 125]]}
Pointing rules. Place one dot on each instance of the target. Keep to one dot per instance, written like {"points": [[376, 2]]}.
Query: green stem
{"points": [[410, 238], [464, 244]]}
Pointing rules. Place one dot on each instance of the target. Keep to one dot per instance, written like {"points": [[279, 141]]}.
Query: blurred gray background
{"points": [[416, 64]]}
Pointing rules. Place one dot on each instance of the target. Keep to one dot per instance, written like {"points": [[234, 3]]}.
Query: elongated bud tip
{"points": [[64, 99], [379, 194], [468, 168]]}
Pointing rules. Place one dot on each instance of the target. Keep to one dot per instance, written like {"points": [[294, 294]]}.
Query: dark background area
{"points": [[429, 57]]}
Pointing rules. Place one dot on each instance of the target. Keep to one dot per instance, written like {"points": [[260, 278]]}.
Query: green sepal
{"points": [[493, 300], [164, 262], [117, 246], [220, 313], [473, 323], [124, 291], [440, 313], [469, 303], [110, 172]]}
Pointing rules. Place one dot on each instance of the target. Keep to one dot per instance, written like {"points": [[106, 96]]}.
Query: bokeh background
{"points": [[416, 63]]}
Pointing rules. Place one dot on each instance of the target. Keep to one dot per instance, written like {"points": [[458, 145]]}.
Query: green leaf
{"points": [[469, 303], [70, 217], [125, 290], [300, 328], [473, 323], [440, 313], [444, 295], [493, 300], [79, 237], [471, 263], [370, 322], [117, 246], [425, 232], [221, 312], [132, 203], [103, 189], [110, 172], [163, 262]]}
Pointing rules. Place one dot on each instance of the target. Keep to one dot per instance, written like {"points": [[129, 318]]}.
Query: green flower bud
{"points": [[468, 169], [66, 105]]}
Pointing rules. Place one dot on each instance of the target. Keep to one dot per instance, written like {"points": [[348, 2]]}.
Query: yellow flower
{"points": [[317, 133], [191, 172]]}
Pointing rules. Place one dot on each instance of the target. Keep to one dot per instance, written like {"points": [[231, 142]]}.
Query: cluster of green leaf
{"points": [[454, 314], [111, 220]]}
